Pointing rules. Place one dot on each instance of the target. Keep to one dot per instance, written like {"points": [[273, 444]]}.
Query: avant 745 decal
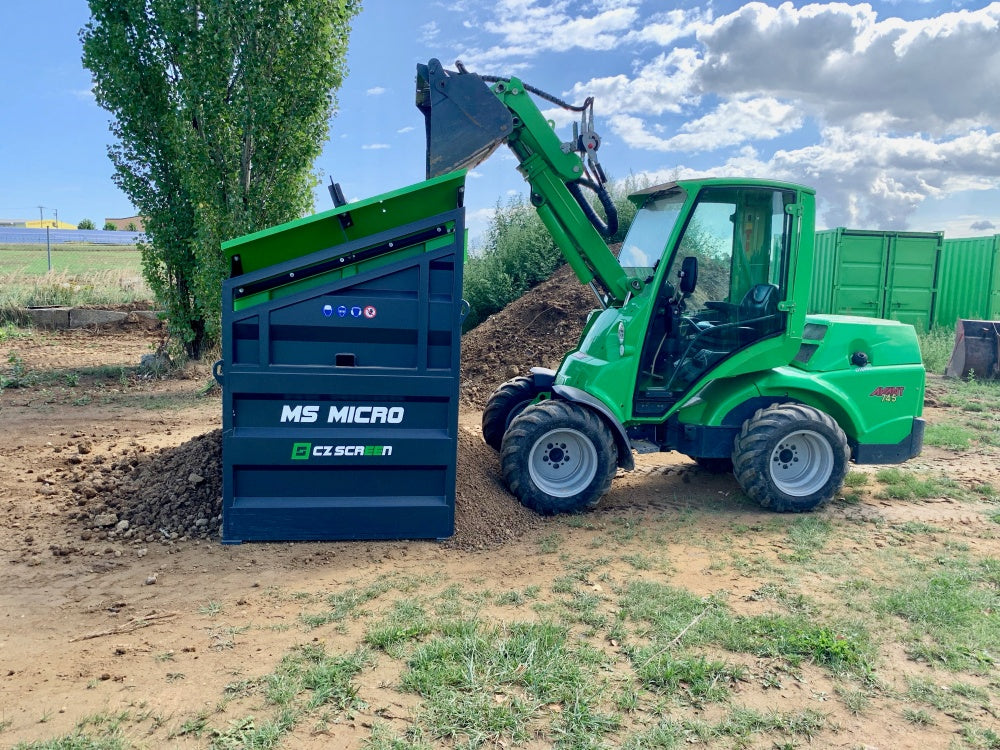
{"points": [[888, 392]]}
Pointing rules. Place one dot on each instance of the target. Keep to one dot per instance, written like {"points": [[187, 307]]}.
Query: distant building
{"points": [[36, 224], [50, 223], [138, 223]]}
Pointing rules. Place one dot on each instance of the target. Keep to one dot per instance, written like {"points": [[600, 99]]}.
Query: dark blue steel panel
{"points": [[340, 402]]}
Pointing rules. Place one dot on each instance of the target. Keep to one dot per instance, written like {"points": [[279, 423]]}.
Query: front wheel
{"points": [[505, 403], [790, 457], [558, 457]]}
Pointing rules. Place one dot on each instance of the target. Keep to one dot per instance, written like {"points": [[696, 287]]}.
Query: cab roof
{"points": [[694, 185]]}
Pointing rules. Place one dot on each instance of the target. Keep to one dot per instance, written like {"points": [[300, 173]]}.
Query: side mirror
{"points": [[688, 275]]}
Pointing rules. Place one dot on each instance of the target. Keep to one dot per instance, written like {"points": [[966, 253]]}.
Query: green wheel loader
{"points": [[701, 344]]}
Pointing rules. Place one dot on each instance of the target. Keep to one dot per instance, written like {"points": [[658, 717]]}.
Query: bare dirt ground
{"points": [[117, 598]]}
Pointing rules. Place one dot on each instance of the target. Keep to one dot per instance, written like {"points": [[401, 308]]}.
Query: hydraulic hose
{"points": [[606, 228]]}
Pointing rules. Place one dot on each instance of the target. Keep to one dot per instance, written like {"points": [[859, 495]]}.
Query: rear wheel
{"points": [[558, 457], [505, 403], [790, 457]]}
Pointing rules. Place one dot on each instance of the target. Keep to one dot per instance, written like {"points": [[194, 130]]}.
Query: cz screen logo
{"points": [[304, 451]]}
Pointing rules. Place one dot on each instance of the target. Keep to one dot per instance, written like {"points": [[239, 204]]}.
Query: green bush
{"points": [[85, 224], [935, 348], [109, 227]]}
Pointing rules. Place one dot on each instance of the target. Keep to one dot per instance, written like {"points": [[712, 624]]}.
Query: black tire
{"points": [[772, 444], [505, 403], [558, 457], [714, 465]]}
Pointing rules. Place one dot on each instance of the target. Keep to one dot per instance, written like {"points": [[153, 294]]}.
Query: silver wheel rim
{"points": [[801, 463], [563, 462]]}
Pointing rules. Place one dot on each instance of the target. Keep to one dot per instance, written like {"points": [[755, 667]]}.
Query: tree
{"points": [[110, 227], [85, 224], [219, 111]]}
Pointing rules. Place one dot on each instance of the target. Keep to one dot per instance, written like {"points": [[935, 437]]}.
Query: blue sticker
{"points": [[327, 310], [355, 312], [342, 311]]}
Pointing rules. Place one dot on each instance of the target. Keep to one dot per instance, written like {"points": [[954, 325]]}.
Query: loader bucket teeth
{"points": [[465, 121]]}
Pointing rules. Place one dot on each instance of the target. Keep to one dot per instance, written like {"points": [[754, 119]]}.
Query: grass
{"points": [[738, 725], [406, 622], [900, 484], [345, 604], [69, 258], [484, 684], [951, 614], [101, 384], [306, 680], [674, 617], [103, 731], [110, 287], [80, 275], [951, 436], [808, 535]]}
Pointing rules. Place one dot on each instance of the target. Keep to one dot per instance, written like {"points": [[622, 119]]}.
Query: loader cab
{"points": [[718, 287]]}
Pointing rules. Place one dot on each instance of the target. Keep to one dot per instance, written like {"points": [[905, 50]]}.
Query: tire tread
{"points": [[752, 447]]}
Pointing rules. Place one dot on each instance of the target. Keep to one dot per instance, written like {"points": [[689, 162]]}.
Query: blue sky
{"points": [[891, 110]]}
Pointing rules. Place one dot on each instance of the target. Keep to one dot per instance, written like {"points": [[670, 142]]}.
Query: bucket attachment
{"points": [[977, 350], [465, 120]]}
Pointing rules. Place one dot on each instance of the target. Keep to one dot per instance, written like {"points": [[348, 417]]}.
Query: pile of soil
{"points": [[533, 331], [175, 494], [486, 514], [165, 495]]}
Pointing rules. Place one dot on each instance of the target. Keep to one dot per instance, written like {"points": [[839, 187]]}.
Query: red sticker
{"points": [[370, 312]]}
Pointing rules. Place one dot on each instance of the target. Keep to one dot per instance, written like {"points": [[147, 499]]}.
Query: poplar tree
{"points": [[219, 109]]}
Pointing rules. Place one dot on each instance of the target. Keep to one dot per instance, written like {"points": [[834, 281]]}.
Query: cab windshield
{"points": [[650, 230]]}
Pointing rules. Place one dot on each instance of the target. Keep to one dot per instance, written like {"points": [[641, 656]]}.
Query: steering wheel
{"points": [[689, 324]]}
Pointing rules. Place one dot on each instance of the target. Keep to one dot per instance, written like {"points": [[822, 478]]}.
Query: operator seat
{"points": [[757, 315], [759, 302]]}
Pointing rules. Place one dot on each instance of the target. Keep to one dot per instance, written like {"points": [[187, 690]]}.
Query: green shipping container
{"points": [[969, 280], [877, 274]]}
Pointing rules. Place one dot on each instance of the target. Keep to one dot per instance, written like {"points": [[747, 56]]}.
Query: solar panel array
{"points": [[26, 236]]}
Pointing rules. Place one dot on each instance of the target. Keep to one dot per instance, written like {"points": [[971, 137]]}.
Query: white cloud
{"points": [[375, 146], [665, 84], [532, 27], [406, 129], [429, 32], [666, 28], [478, 220], [841, 62], [375, 91], [872, 180], [730, 124]]}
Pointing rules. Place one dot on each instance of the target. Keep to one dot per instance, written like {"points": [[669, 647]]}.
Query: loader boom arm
{"points": [[467, 120]]}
